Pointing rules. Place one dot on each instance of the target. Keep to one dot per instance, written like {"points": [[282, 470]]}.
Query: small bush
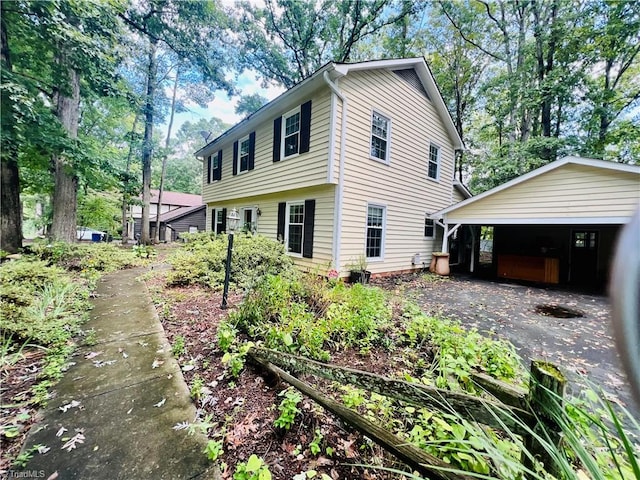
{"points": [[203, 259], [40, 303]]}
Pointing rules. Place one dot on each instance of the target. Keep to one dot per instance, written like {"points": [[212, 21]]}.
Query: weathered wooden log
{"points": [[546, 393], [503, 391], [428, 465], [472, 408]]}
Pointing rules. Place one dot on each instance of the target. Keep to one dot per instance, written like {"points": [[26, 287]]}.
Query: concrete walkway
{"points": [[121, 399]]}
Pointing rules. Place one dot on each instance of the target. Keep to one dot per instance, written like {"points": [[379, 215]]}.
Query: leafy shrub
{"points": [[308, 315], [203, 259], [459, 351], [40, 303], [288, 408]]}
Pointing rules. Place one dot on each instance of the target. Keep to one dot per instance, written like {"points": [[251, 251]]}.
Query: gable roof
{"points": [[337, 70], [177, 198], [550, 167], [177, 213]]}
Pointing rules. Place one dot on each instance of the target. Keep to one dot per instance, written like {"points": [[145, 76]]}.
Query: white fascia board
{"points": [[589, 162], [280, 103], [537, 221], [429, 83]]}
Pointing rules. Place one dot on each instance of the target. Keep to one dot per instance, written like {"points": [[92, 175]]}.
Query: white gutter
{"points": [[337, 208]]}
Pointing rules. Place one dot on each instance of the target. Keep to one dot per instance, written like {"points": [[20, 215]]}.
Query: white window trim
{"points": [[286, 228], [283, 129], [237, 159], [254, 215], [439, 162], [387, 161], [384, 231], [432, 237]]}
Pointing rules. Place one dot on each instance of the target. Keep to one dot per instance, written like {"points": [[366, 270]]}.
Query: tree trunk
{"points": [[10, 211], [156, 238], [65, 195], [126, 195], [147, 148]]}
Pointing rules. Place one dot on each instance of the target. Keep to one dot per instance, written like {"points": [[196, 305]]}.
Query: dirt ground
{"points": [[581, 346]]}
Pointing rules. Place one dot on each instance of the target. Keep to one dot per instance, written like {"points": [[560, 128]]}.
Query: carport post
{"points": [[445, 238]]}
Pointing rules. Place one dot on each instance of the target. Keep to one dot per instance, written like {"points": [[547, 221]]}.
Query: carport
{"points": [[554, 225]]}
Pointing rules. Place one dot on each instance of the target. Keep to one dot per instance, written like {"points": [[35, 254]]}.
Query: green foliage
{"points": [[202, 260], [309, 315], [214, 449], [40, 303], [178, 347], [144, 251], [227, 335], [253, 469], [459, 351], [99, 211], [288, 408], [315, 445], [235, 358], [197, 384]]}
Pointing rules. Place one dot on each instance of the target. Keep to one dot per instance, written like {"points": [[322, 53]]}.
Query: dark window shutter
{"points": [[305, 126], [252, 150], [218, 175], [213, 220], [223, 229], [309, 221], [235, 157], [209, 169], [282, 215], [277, 138]]}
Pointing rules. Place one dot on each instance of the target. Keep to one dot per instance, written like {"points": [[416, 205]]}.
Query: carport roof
{"points": [[571, 190]]}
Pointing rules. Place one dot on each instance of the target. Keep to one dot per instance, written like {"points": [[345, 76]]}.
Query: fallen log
{"points": [[492, 414], [428, 465]]}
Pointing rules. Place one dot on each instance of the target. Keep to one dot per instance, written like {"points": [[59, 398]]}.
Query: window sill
{"points": [[293, 155], [293, 254], [435, 180]]}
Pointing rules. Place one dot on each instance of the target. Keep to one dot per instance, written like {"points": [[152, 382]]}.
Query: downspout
{"points": [[337, 230]]}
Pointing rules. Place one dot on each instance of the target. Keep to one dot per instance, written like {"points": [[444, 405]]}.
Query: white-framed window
{"points": [[374, 246], [291, 133], [294, 228], [429, 228], [193, 229], [218, 221], [380, 136], [433, 169], [243, 154], [249, 219]]}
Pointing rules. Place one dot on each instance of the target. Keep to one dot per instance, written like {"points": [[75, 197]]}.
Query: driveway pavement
{"points": [[581, 346]]}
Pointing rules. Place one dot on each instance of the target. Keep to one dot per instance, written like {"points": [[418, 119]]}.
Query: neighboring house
{"points": [[556, 224], [349, 162], [175, 202], [180, 220]]}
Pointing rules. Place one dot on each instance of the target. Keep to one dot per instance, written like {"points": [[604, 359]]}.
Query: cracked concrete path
{"points": [[120, 399]]}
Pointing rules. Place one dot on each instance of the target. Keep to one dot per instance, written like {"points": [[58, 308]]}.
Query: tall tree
{"points": [[288, 40], [192, 32], [57, 51]]}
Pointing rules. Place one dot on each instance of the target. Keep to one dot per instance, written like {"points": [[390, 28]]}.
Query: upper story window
{"points": [[380, 129], [375, 231], [244, 154], [214, 167], [433, 170], [291, 133]]}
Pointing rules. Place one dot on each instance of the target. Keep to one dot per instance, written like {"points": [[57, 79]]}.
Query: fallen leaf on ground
{"points": [[72, 443], [61, 432], [91, 355], [156, 363], [160, 403], [73, 404]]}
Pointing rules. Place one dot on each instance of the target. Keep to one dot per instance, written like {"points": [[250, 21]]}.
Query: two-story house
{"points": [[349, 162]]}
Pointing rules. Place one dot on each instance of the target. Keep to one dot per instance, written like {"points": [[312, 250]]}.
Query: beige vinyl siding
{"points": [[402, 186], [267, 223], [457, 196], [569, 191], [304, 170]]}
